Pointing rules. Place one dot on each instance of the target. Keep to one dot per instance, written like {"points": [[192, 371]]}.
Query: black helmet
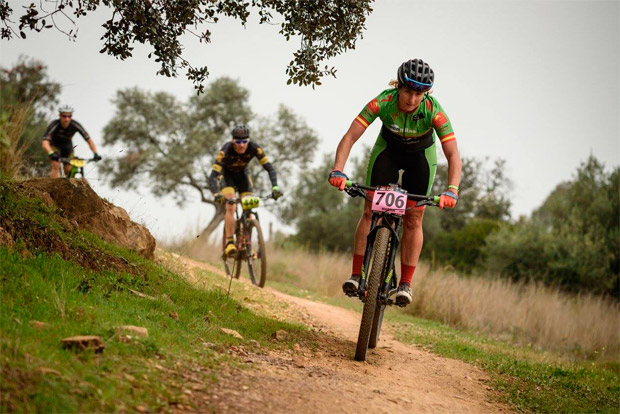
{"points": [[416, 74], [240, 131]]}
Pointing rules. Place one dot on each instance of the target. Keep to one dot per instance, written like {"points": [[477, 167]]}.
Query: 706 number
{"points": [[391, 199]]}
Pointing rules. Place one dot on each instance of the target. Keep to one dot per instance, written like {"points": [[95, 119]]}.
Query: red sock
{"points": [[406, 273], [358, 261]]}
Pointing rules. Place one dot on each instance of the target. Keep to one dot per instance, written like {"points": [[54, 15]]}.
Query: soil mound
{"points": [[80, 205]]}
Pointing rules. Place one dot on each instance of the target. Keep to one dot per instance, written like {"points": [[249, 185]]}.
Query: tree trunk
{"points": [[220, 212]]}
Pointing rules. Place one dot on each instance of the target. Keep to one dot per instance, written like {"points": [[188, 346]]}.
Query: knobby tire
{"points": [[257, 257], [377, 321], [232, 265], [379, 256]]}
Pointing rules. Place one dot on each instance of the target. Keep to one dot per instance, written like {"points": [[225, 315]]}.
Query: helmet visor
{"points": [[417, 86]]}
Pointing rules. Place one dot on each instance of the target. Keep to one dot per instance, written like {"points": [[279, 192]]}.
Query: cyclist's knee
{"points": [[413, 219], [55, 169]]}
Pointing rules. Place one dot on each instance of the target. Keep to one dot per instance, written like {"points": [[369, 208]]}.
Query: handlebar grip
{"points": [[436, 199], [349, 183]]}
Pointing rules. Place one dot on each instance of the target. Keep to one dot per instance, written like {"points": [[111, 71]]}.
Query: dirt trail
{"points": [[396, 378]]}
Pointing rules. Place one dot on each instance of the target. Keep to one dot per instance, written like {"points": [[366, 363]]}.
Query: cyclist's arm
{"points": [[346, 143], [79, 128], [47, 147], [264, 161], [214, 185], [443, 128], [451, 151], [273, 176], [91, 145], [47, 136]]}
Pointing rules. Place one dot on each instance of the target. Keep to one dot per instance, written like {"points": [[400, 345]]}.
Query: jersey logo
{"points": [[386, 99], [373, 106], [439, 119]]}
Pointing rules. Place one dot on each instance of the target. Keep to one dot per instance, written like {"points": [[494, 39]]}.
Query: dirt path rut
{"points": [[397, 378]]}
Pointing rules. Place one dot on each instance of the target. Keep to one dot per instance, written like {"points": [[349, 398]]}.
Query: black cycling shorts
{"points": [[238, 180]]}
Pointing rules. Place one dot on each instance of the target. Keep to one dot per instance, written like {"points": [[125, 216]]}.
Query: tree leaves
{"points": [[325, 29]]}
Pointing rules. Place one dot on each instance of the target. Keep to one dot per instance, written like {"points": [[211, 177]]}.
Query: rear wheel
{"points": [[256, 254], [379, 255]]}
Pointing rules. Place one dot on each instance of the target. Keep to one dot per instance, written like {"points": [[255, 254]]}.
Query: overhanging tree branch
{"points": [[325, 28]]}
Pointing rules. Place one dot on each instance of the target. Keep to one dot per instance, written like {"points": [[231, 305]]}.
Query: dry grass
{"points": [[583, 326], [12, 127], [586, 326]]}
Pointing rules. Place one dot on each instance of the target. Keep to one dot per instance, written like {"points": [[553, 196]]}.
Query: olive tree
{"points": [[170, 146]]}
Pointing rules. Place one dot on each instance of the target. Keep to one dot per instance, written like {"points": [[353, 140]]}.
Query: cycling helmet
{"points": [[240, 131], [65, 108], [416, 74]]}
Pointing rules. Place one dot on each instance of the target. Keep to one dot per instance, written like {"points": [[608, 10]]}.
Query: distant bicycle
{"points": [[376, 288], [248, 239], [77, 166]]}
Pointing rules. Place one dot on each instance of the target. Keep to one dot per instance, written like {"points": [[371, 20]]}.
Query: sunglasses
{"points": [[66, 116], [417, 86], [241, 141]]}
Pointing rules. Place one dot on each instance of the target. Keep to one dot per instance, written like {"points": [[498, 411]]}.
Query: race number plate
{"points": [[389, 201]]}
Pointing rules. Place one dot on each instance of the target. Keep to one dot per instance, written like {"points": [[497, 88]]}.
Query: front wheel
{"points": [[232, 264], [377, 266], [375, 332], [256, 253]]}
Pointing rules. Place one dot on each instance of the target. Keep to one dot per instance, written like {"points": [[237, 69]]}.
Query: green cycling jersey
{"points": [[408, 131]]}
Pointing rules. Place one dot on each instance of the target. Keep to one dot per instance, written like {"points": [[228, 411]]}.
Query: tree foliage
{"points": [[572, 240], [27, 97], [325, 28], [484, 193], [170, 146], [456, 237], [324, 217]]}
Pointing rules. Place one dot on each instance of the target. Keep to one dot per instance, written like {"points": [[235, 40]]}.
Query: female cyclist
{"points": [[412, 121]]}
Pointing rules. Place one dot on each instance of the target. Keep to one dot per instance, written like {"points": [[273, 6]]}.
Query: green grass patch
{"points": [[183, 324]]}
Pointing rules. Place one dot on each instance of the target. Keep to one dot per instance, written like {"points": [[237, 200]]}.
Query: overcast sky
{"points": [[536, 83]]}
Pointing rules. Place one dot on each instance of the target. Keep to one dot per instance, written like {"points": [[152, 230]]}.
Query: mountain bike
{"points": [[77, 166], [375, 289], [248, 238]]}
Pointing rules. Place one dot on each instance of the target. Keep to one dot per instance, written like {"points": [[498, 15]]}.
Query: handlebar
{"points": [[68, 160], [355, 189]]}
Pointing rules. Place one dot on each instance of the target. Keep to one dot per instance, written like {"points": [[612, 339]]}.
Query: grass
{"points": [[74, 301], [47, 296], [13, 123]]}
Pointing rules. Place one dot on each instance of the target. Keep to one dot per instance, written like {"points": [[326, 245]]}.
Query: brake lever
{"points": [[426, 203], [355, 192]]}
